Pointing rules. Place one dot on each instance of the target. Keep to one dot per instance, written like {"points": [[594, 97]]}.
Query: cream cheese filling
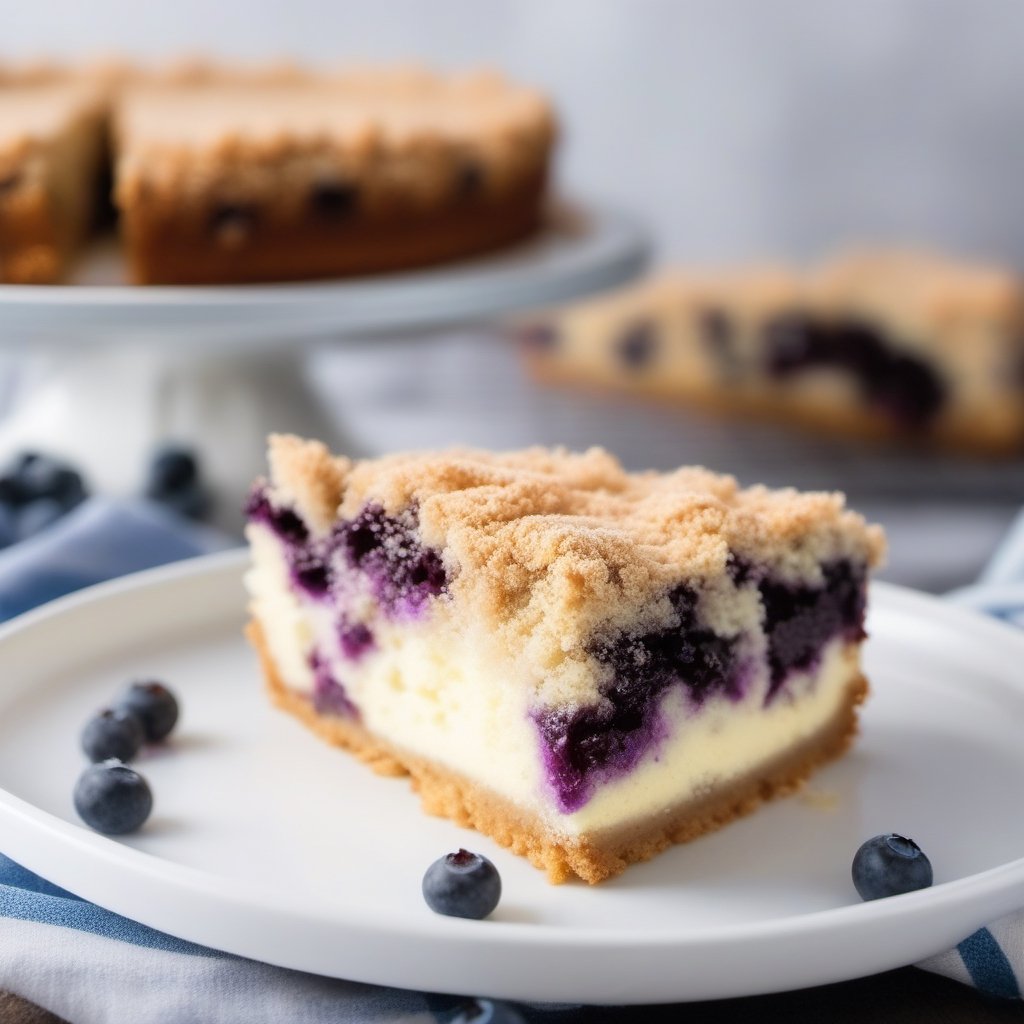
{"points": [[439, 693]]}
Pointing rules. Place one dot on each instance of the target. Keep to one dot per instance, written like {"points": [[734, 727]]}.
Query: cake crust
{"points": [[593, 859]]}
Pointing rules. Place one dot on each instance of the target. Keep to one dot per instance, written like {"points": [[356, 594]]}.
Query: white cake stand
{"points": [[106, 371]]}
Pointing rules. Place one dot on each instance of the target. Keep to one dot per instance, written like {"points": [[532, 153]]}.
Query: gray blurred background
{"points": [[738, 130]]}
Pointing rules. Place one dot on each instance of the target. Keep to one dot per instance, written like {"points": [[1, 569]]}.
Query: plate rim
{"points": [[507, 936]]}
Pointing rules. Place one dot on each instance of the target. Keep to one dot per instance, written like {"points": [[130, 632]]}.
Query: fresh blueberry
{"points": [[154, 705], [31, 476], [12, 479], [113, 732], [174, 479], [889, 865], [636, 347], [47, 478], [36, 516], [462, 884], [112, 798], [172, 468]]}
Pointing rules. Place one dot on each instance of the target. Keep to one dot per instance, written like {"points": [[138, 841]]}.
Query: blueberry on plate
{"points": [[889, 865], [154, 706], [462, 884], [112, 798], [174, 480], [171, 468], [112, 732]]}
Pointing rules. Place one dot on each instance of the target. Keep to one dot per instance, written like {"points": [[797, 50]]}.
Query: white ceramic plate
{"points": [[267, 843], [583, 248]]}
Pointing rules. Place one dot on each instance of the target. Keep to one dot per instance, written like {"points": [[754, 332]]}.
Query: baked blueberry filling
{"points": [[901, 386], [402, 573], [232, 224], [333, 200], [635, 348], [540, 337], [799, 621], [373, 548], [717, 331], [585, 746], [356, 639], [283, 521], [470, 181], [591, 744], [384, 550], [329, 696], [309, 571]]}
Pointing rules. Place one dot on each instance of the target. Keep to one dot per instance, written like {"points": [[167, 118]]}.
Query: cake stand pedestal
{"points": [[108, 371]]}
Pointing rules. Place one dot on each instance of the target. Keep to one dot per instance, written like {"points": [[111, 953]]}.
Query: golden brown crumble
{"points": [[922, 289], [548, 546]]}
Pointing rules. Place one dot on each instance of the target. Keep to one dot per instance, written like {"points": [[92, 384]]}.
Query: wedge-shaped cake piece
{"points": [[585, 664], [883, 344]]}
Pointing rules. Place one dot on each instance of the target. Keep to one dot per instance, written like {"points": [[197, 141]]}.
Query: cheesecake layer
{"points": [[595, 856], [436, 692]]}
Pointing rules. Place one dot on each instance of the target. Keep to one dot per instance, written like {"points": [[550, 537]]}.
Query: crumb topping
{"points": [[33, 114], [184, 127], [547, 546], [417, 130], [921, 289]]}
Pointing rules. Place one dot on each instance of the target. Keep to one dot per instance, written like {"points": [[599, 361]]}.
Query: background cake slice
{"points": [[585, 664], [52, 141], [223, 178], [883, 344]]}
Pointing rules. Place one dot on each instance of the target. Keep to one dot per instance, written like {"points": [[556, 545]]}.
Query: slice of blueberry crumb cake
{"points": [[585, 664]]}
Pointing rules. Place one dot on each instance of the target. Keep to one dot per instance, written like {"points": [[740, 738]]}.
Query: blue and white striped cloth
{"points": [[88, 965], [992, 959]]}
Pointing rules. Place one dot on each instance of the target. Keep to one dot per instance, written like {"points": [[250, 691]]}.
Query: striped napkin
{"points": [[992, 959], [88, 965]]}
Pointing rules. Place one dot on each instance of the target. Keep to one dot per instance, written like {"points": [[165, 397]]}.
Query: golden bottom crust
{"points": [[593, 858], [31, 251], [177, 251], [998, 436]]}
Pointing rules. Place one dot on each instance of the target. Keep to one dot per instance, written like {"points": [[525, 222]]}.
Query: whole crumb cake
{"points": [[228, 173], [886, 344], [583, 663]]}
